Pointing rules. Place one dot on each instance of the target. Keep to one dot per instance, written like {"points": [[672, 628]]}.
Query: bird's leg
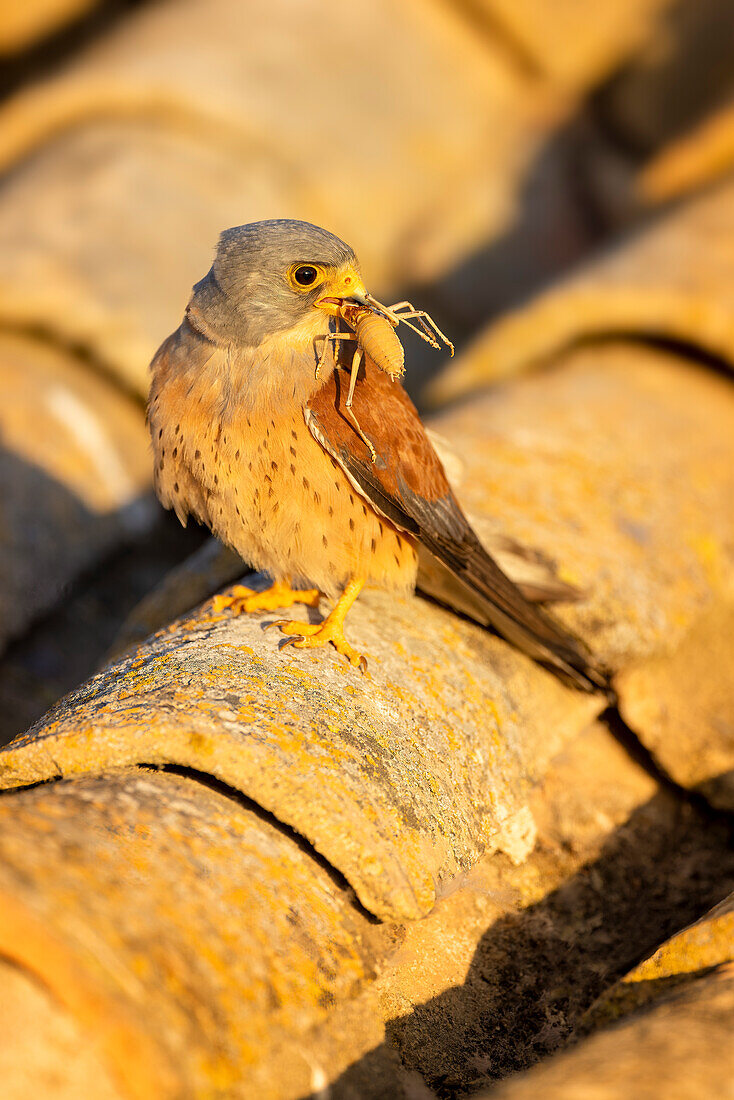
{"points": [[356, 360], [279, 595], [331, 338], [311, 635]]}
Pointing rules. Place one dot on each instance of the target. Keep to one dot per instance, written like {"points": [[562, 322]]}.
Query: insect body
{"points": [[373, 329], [376, 336]]}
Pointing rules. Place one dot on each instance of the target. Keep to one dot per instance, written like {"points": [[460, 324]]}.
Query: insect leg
{"points": [[428, 328], [356, 361], [424, 320], [395, 317], [378, 307], [334, 338], [424, 331]]}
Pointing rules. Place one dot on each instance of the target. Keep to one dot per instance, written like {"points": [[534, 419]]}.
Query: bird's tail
{"points": [[499, 603]]}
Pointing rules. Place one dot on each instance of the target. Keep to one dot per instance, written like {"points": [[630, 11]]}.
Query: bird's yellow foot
{"points": [[311, 636], [279, 595]]}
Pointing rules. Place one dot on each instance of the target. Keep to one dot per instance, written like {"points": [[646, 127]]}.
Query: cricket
{"points": [[372, 326]]}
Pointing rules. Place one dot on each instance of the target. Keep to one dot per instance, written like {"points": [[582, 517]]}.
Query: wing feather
{"points": [[408, 485]]}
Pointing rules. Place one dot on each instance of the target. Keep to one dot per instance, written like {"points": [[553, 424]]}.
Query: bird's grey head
{"points": [[269, 277]]}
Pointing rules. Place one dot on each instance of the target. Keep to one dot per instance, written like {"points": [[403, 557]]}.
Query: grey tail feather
{"points": [[566, 657], [524, 624]]}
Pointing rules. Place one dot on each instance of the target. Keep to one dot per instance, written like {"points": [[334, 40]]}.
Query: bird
{"points": [[252, 441]]}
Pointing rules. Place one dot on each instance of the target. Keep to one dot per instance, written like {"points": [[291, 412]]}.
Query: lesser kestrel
{"points": [[251, 443]]}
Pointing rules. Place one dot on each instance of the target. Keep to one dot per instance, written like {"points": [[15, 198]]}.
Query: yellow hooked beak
{"points": [[348, 284]]}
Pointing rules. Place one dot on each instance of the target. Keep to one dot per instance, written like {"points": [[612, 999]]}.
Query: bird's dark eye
{"points": [[305, 275]]}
